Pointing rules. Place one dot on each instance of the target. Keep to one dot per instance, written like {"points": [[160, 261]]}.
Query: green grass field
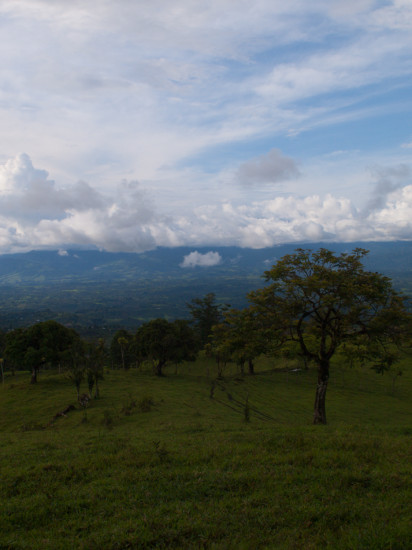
{"points": [[162, 463]]}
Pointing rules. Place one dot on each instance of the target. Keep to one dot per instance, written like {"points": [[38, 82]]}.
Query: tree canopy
{"points": [[162, 342], [205, 314], [323, 302], [44, 343], [236, 338]]}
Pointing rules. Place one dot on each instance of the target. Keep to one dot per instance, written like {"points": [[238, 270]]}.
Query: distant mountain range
{"points": [[39, 267], [100, 292]]}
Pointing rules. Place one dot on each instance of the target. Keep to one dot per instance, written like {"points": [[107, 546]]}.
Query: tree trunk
{"points": [[219, 368], [158, 368], [319, 416], [242, 367], [34, 376], [251, 366]]}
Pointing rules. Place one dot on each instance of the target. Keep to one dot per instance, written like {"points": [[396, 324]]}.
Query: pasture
{"points": [[186, 461]]}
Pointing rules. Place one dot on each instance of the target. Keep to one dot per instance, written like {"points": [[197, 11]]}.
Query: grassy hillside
{"points": [[169, 463]]}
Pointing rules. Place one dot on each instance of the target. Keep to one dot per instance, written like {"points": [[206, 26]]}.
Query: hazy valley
{"points": [[97, 292]]}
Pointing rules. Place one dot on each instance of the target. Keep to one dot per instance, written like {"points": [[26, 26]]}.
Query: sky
{"points": [[128, 124]]}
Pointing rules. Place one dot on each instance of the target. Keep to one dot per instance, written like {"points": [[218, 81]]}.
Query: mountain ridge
{"points": [[39, 267]]}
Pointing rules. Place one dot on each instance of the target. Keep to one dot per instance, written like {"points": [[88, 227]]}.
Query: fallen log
{"points": [[64, 412]]}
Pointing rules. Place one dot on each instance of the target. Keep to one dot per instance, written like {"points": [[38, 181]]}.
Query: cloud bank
{"points": [[35, 212]]}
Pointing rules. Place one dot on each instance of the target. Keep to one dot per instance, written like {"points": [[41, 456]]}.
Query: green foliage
{"points": [[323, 303], [234, 467], [237, 339], [98, 293], [120, 350], [95, 356], [75, 373], [219, 348], [44, 344], [162, 342], [205, 313]]}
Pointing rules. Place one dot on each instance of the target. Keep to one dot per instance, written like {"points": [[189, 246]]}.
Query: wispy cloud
{"points": [[206, 105]]}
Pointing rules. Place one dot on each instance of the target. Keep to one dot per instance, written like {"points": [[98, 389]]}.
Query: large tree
{"points": [[324, 301], [205, 314], [236, 338], [162, 342], [45, 343], [120, 349], [95, 354]]}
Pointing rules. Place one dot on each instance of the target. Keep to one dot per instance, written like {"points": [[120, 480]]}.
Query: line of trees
{"points": [[313, 305], [49, 344]]}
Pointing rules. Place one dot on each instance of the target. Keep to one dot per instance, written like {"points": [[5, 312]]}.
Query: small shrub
{"points": [[31, 427], [108, 420], [161, 452], [127, 409], [84, 400], [145, 404]]}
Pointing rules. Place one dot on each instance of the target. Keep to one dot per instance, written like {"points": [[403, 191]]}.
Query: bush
{"points": [[145, 404], [108, 420]]}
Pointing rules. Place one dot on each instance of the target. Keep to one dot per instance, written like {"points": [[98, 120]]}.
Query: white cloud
{"points": [[123, 89], [190, 99], [395, 218], [35, 212], [128, 219], [196, 259], [28, 193], [388, 180]]}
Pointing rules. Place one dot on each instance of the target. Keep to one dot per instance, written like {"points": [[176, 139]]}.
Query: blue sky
{"points": [[129, 124]]}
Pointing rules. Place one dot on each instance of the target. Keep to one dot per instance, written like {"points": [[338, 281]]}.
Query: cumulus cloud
{"points": [[269, 168], [128, 218], [394, 219], [196, 259], [173, 93], [35, 212], [28, 193]]}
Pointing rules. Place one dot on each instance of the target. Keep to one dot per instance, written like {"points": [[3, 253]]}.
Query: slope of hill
{"points": [[158, 463]]}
